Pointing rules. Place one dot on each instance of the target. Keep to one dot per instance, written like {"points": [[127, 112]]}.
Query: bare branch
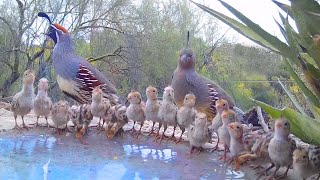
{"points": [[8, 24]]}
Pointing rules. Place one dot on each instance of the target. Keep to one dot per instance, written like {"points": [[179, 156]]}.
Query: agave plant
{"points": [[301, 53]]}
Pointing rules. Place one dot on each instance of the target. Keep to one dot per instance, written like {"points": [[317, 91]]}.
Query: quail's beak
{"points": [[278, 125], [185, 57], [230, 126]]}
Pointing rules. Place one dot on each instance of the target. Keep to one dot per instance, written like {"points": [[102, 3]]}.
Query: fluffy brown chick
{"points": [[228, 116], [314, 158], [60, 114], [99, 105], [42, 102], [152, 106], [281, 147], [118, 120], [168, 111], [22, 102], [83, 121], [135, 110], [302, 166], [237, 146], [220, 106], [198, 134], [187, 113]]}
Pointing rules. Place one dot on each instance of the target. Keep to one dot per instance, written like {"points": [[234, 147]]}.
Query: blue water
{"points": [[39, 156]]}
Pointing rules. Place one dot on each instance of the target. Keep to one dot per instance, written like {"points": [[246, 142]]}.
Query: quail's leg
{"points": [[157, 134], [23, 124], [132, 130], [151, 128], [139, 132], [180, 138], [284, 174], [264, 172], [47, 125], [66, 129], [224, 157], [163, 134], [16, 124]]}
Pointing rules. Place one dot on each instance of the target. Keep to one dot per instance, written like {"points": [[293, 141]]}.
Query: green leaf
{"points": [[292, 98], [239, 27], [274, 41], [302, 126], [286, 8], [310, 96]]}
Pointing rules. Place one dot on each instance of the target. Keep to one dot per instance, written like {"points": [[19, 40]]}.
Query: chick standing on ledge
{"points": [[281, 147], [85, 118], [168, 111], [99, 105], [60, 114], [186, 114], [198, 134], [152, 106], [135, 110], [42, 102], [117, 120], [220, 105], [235, 130], [228, 116], [302, 166], [22, 102]]}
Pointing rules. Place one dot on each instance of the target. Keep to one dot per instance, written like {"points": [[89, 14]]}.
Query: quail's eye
{"points": [[286, 124], [224, 105], [238, 127], [154, 91]]}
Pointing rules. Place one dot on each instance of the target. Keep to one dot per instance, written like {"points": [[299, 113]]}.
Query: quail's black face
{"points": [[52, 33], [187, 58]]}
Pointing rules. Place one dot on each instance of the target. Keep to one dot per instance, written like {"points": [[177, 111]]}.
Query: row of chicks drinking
{"points": [[277, 147]]}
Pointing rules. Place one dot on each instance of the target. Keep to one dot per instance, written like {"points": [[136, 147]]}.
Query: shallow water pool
{"points": [[37, 156]]}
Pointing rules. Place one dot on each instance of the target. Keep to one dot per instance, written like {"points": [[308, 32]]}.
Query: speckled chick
{"points": [[99, 105], [281, 147], [302, 166], [228, 116], [84, 119], [168, 110], [135, 110], [235, 130], [60, 113], [152, 106], [198, 134], [22, 102], [119, 119], [42, 102], [187, 113]]}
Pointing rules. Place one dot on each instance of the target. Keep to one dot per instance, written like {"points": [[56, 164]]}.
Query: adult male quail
{"points": [[185, 80], [76, 77]]}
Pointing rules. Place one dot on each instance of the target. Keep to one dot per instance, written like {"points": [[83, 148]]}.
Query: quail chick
{"points": [[42, 102], [119, 119], [228, 116], [302, 166], [22, 102], [99, 105], [84, 119], [60, 114], [168, 111], [220, 106], [152, 106], [187, 113], [314, 157], [198, 134], [237, 146], [135, 110], [281, 147]]}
